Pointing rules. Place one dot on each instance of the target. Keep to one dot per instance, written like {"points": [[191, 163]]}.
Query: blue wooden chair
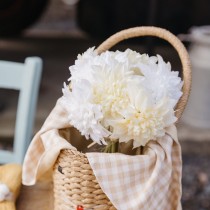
{"points": [[24, 77]]}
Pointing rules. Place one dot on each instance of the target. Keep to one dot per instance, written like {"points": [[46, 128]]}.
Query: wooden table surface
{"points": [[37, 197]]}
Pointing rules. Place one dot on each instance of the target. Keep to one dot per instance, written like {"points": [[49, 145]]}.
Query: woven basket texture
{"points": [[75, 184]]}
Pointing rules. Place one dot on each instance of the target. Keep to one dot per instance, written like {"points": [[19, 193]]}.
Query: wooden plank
{"points": [[37, 197]]}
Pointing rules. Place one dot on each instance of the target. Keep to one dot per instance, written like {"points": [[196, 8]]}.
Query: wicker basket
{"points": [[74, 181]]}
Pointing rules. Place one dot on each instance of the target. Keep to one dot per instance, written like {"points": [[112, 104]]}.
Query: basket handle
{"points": [[173, 40]]}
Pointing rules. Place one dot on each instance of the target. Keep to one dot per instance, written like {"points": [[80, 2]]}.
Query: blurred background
{"points": [[58, 30]]}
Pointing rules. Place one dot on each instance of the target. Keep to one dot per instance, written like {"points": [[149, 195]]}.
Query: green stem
{"points": [[112, 147]]}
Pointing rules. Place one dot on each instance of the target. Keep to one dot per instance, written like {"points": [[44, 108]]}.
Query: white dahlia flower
{"points": [[121, 96]]}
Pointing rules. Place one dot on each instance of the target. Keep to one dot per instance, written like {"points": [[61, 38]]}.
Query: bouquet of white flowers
{"points": [[121, 96]]}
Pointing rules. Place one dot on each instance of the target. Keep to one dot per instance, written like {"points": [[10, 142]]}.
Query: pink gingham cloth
{"points": [[151, 181]]}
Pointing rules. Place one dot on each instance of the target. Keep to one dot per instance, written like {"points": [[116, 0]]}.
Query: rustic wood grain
{"points": [[37, 197]]}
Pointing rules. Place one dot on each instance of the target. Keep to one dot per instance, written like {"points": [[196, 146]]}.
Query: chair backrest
{"points": [[24, 77]]}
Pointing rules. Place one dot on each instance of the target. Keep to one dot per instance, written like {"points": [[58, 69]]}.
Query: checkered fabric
{"points": [[151, 181]]}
